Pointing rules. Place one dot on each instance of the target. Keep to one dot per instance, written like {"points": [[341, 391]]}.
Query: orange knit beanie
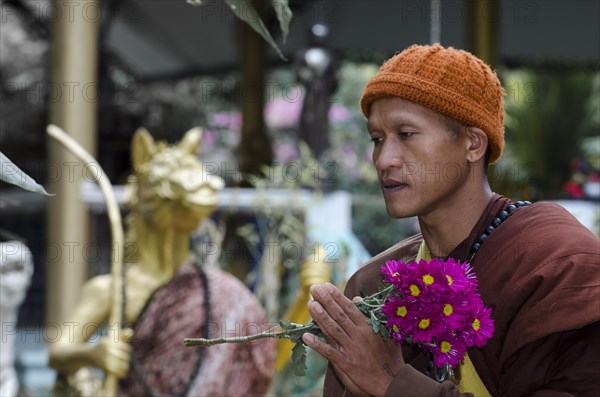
{"points": [[452, 82]]}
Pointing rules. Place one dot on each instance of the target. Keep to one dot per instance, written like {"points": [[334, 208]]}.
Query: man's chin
{"points": [[399, 213]]}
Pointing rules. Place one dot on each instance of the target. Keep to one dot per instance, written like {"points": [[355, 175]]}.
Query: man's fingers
{"points": [[346, 304], [324, 349], [340, 308], [334, 356], [333, 331], [323, 295]]}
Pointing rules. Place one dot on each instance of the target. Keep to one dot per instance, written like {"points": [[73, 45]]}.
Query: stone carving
{"points": [[16, 269]]}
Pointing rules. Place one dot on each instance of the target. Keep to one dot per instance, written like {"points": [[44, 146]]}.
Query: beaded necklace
{"points": [[500, 217], [447, 372]]}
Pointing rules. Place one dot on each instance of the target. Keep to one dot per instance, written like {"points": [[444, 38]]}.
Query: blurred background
{"points": [[102, 68]]}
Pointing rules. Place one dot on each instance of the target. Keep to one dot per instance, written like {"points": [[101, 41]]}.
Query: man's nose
{"points": [[387, 156]]}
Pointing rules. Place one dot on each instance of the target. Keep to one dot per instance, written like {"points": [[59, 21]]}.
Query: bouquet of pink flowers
{"points": [[433, 303]]}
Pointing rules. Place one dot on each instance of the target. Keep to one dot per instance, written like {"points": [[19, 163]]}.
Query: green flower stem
{"points": [[370, 306], [376, 300], [284, 334], [292, 331], [375, 305]]}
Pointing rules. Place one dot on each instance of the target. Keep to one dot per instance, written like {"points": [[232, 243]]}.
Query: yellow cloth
{"points": [[470, 382], [469, 379]]}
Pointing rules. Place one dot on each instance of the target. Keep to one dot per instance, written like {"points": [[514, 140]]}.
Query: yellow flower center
{"points": [[401, 311], [414, 290], [449, 279], [395, 328], [427, 279], [476, 324], [396, 274], [423, 324], [448, 309], [445, 347]]}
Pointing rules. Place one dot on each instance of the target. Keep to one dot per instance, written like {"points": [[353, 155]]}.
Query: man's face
{"points": [[422, 167]]}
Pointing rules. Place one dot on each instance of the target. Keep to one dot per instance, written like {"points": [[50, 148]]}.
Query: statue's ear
{"points": [[142, 147], [191, 141]]}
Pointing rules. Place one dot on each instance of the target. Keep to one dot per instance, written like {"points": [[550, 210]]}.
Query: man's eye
{"points": [[375, 140], [405, 134]]}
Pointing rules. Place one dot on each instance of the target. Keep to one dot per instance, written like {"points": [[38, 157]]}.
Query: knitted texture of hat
{"points": [[452, 82]]}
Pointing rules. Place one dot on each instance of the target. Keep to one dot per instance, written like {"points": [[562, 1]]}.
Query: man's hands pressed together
{"points": [[363, 360]]}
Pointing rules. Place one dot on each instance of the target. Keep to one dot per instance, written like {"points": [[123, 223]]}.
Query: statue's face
{"points": [[176, 190], [16, 268]]}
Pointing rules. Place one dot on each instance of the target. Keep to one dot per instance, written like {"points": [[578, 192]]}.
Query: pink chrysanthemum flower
{"points": [[448, 349], [460, 277], [412, 285], [397, 334], [391, 271], [480, 325], [428, 323], [454, 315], [430, 276], [401, 316]]}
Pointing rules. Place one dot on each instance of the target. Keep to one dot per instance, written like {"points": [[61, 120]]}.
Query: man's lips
{"points": [[391, 186]]}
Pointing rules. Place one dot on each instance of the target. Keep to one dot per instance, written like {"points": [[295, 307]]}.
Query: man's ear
{"points": [[477, 144]]}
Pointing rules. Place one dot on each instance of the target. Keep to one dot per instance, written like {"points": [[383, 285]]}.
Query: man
{"points": [[435, 116]]}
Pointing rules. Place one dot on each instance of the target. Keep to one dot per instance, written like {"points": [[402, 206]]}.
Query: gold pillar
{"points": [[482, 29], [74, 88]]}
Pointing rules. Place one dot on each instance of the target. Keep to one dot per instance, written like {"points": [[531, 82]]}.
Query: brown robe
{"points": [[540, 273]]}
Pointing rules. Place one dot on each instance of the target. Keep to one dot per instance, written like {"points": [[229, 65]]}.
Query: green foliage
{"points": [[371, 305], [548, 114], [245, 10], [284, 16], [378, 323], [294, 332], [282, 224], [299, 359], [351, 147], [12, 174]]}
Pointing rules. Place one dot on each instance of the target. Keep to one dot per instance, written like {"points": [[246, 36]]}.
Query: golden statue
{"points": [[311, 272], [166, 296]]}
